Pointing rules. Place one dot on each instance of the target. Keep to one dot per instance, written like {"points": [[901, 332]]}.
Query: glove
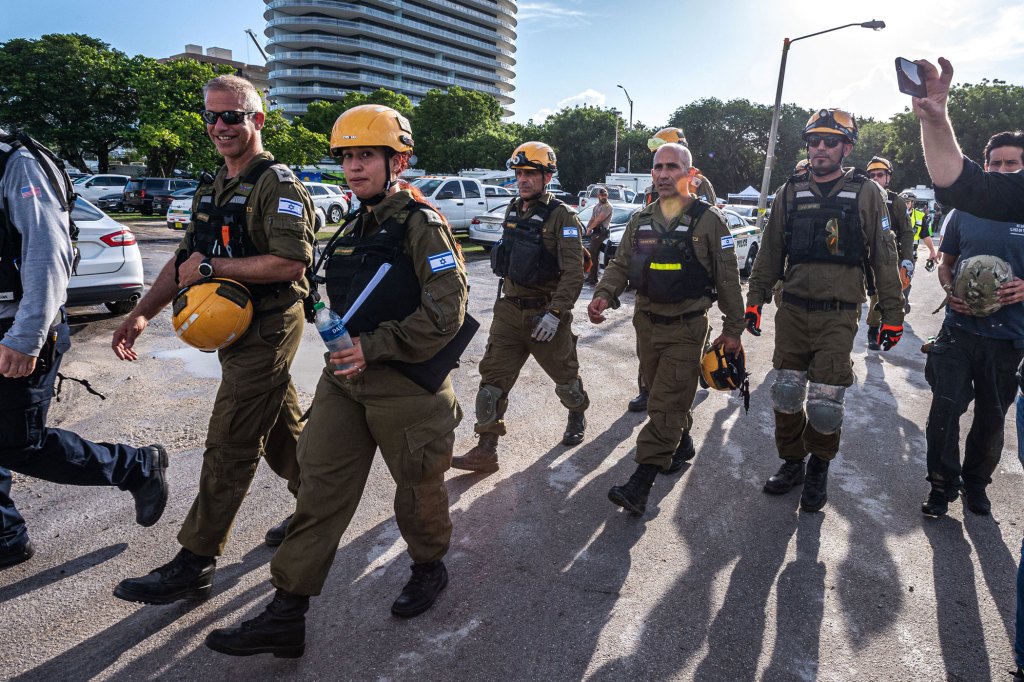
{"points": [[546, 328], [753, 317], [889, 335], [909, 265], [929, 264]]}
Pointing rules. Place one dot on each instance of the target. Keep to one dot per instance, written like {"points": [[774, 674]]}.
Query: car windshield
{"points": [[620, 214], [184, 193], [427, 185], [746, 211], [85, 212], [79, 181], [156, 183]]}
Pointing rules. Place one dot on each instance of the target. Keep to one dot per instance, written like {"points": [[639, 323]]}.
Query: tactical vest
{"points": [[10, 238], [664, 266], [824, 229], [521, 256], [354, 261], [889, 196]]}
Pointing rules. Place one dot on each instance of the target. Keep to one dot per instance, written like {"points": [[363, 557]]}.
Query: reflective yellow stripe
{"points": [[666, 266]]}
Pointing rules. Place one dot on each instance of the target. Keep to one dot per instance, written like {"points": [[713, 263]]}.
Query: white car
{"points": [[485, 229], [179, 213], [110, 268], [92, 187], [330, 199], [748, 213]]}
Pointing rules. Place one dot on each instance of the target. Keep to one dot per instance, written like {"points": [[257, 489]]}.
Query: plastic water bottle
{"points": [[332, 330]]}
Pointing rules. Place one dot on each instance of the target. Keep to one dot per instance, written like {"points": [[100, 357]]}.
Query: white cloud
{"points": [[590, 97], [547, 10]]}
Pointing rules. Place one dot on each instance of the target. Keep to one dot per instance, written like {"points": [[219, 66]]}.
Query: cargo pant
{"points": [[256, 414], [670, 357], [350, 419], [594, 246], [509, 345], [819, 343]]}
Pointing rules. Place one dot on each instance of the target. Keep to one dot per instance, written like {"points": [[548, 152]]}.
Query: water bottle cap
{"points": [[319, 305]]}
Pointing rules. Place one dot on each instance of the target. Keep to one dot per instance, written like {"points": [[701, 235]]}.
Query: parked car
{"points": [[621, 213], [615, 193], [749, 213], [110, 268], [330, 198], [140, 194], [162, 200], [179, 213], [747, 239], [92, 187], [459, 199], [111, 203], [485, 229]]}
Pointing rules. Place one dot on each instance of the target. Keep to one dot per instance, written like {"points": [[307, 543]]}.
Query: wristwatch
{"points": [[206, 267]]}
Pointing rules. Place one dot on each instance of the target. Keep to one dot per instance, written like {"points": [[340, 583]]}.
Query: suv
{"points": [[152, 195], [615, 193], [329, 198], [92, 187]]}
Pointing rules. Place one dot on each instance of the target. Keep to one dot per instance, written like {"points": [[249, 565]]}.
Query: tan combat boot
{"points": [[483, 456]]}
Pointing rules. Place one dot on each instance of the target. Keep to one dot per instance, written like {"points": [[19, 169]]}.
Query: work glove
{"points": [[546, 328], [909, 265], [753, 317], [929, 264], [889, 335]]}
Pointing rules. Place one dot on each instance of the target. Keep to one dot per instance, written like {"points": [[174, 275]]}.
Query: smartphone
{"points": [[908, 75]]}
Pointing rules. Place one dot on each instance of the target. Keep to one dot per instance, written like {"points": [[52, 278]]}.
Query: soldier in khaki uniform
{"points": [[252, 224], [374, 403], [880, 170], [679, 254], [540, 261], [827, 228]]}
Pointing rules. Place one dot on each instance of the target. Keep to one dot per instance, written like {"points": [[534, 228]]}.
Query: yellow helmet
{"points": [[535, 155], [371, 125], [878, 163], [801, 166], [833, 121], [212, 314], [666, 136], [724, 372]]}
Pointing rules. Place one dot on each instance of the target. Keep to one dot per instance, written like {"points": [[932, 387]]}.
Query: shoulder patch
{"points": [[289, 207], [885, 223], [440, 262], [432, 216], [284, 173], [570, 232], [728, 242]]}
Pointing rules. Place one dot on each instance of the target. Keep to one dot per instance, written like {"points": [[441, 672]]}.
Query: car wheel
{"points": [[335, 214], [749, 264], [146, 211], [121, 307]]}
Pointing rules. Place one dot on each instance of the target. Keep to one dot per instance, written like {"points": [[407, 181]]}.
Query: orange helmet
{"points": [[212, 314], [833, 121], [371, 125], [878, 163], [533, 155], [666, 136]]}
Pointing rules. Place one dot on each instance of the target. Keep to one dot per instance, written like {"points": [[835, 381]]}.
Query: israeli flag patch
{"points": [[570, 232], [728, 242], [885, 223], [440, 262], [289, 207]]}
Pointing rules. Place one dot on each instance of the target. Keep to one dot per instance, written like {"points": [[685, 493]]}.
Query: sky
{"points": [[665, 53]]}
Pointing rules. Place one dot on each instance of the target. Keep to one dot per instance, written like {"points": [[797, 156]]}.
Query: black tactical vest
{"points": [[354, 261], [664, 266], [521, 256], [10, 238], [824, 229], [889, 196]]}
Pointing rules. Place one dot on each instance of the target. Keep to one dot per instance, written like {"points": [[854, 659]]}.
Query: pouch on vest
{"points": [[663, 279]]}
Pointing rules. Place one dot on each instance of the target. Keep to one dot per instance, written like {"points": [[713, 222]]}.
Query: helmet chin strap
{"points": [[377, 198]]}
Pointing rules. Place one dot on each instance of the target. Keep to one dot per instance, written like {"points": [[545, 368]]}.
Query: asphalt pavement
{"points": [[549, 580]]}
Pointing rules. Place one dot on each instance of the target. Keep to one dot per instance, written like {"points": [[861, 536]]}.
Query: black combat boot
{"points": [[639, 403], [420, 593], [151, 496], [976, 500], [633, 495], [791, 473], [16, 555], [186, 576], [873, 339], [815, 483], [279, 630], [482, 457], [574, 428], [683, 454], [275, 536], [938, 500]]}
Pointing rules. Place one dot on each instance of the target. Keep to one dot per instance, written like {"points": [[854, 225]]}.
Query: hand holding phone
{"points": [[910, 79]]}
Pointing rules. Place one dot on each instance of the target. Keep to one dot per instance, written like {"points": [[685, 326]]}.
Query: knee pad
{"points": [[571, 394], [789, 391], [487, 404], [825, 407]]}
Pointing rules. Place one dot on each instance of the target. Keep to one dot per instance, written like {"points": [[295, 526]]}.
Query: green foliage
{"points": [[291, 143], [320, 116], [448, 126], [584, 141]]}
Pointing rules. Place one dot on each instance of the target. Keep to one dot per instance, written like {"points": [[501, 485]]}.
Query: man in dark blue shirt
{"points": [[975, 357]]}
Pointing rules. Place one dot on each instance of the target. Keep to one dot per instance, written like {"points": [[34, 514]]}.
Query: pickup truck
{"points": [[461, 199]]}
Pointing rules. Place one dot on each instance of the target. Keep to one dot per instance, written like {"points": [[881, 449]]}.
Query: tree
{"points": [[583, 138], [72, 92], [444, 122], [321, 115], [291, 143]]}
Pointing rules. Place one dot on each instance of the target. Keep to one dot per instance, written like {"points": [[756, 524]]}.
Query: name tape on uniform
{"points": [[570, 231], [441, 261], [289, 207], [885, 223], [728, 242]]}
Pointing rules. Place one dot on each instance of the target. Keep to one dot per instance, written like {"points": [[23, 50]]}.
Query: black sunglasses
{"points": [[831, 141], [230, 117]]}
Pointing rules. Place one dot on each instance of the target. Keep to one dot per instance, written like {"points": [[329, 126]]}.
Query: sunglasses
{"points": [[229, 117], [831, 141]]}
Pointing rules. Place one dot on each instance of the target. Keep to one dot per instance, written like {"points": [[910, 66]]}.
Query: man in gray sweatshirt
{"points": [[36, 256]]}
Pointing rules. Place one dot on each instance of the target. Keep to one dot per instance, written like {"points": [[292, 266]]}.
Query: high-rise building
{"points": [[321, 49]]}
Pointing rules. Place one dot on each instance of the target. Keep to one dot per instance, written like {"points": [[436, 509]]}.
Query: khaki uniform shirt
{"points": [[713, 246], [272, 231], [563, 236], [902, 229], [429, 328], [820, 281]]}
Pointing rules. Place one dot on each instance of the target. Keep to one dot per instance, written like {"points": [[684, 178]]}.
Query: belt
{"points": [[817, 306], [672, 319], [528, 303]]}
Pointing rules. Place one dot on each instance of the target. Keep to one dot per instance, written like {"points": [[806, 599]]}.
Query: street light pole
{"points": [[629, 150], [615, 160], [769, 161]]}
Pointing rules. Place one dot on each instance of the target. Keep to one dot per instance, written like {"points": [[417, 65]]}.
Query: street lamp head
{"points": [[874, 24]]}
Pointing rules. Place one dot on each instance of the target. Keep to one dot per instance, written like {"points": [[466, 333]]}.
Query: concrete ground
{"points": [[549, 580]]}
